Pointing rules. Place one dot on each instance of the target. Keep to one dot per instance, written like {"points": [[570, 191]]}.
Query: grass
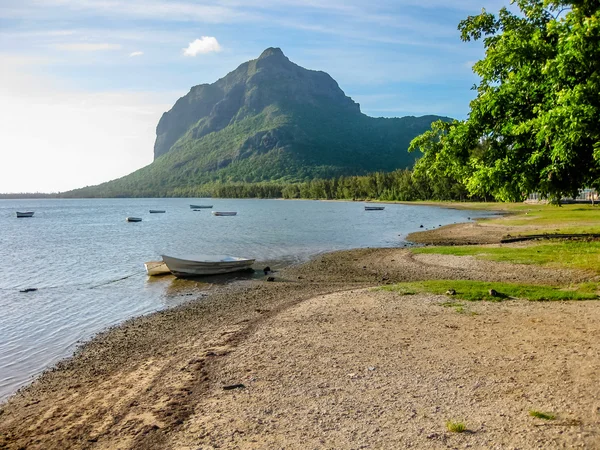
{"points": [[538, 218], [564, 254], [478, 290], [541, 415], [455, 427]]}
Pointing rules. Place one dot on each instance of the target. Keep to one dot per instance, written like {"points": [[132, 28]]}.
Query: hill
{"points": [[268, 120]]}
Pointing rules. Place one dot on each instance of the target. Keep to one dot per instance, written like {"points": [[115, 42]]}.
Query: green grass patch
{"points": [[541, 415], [479, 290], [566, 219], [455, 427], [584, 255]]}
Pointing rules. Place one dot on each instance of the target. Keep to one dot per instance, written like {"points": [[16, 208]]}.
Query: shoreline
{"points": [[147, 383]]}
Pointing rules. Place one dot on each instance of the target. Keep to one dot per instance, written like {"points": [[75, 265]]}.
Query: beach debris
{"points": [[450, 292], [270, 278], [371, 369], [28, 290], [266, 270], [234, 386], [493, 293]]}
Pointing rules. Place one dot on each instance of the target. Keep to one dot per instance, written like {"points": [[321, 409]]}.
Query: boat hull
{"points": [[157, 211], [210, 266], [24, 214], [374, 208], [201, 206], [133, 219], [224, 213], [156, 268]]}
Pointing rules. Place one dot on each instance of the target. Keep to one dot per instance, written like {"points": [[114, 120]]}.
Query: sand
{"points": [[322, 358]]}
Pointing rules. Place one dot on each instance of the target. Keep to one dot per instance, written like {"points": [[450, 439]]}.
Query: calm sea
{"points": [[86, 262]]}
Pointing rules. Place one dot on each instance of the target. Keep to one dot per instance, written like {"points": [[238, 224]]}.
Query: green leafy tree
{"points": [[534, 125]]}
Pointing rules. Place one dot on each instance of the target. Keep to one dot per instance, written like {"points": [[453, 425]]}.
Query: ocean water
{"points": [[86, 261]]}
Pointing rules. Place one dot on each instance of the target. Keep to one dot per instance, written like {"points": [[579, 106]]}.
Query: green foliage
{"points": [[541, 415], [479, 290], [533, 126]]}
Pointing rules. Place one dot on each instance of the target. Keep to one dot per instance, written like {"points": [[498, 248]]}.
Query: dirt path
{"points": [[329, 363]]}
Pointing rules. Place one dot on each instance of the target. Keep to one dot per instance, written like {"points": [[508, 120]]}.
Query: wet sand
{"points": [[326, 360]]}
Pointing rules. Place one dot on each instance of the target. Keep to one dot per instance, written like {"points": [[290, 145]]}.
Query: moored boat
{"points": [[224, 213], [156, 268], [374, 208], [201, 206], [157, 211], [25, 214], [190, 266], [133, 219]]}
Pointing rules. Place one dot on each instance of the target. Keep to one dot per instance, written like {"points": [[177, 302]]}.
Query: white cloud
{"points": [[132, 54], [206, 44], [86, 47]]}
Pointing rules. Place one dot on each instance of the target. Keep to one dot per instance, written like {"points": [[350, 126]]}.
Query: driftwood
{"points": [[234, 386]]}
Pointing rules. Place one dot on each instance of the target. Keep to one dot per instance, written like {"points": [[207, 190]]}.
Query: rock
{"points": [[450, 292], [270, 278], [420, 226]]}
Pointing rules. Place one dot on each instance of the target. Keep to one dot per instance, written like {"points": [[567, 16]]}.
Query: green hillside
{"points": [[269, 120]]}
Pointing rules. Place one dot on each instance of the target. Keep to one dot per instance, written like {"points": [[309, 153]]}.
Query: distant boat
{"points": [[201, 206], [133, 219], [156, 268], [25, 214], [224, 213], [374, 208], [191, 266], [157, 211]]}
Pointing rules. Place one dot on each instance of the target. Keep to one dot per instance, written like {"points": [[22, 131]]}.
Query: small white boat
{"points": [[157, 211], [374, 208], [133, 219], [156, 268], [200, 206], [25, 214], [191, 266], [224, 213]]}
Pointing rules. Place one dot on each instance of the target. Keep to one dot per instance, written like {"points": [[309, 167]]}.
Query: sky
{"points": [[83, 83]]}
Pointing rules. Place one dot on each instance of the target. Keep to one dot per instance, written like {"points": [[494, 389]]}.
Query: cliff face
{"points": [[247, 91]]}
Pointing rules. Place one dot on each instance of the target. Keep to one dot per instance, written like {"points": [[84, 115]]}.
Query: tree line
{"points": [[400, 185]]}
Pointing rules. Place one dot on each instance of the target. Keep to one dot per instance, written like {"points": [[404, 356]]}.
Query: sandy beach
{"points": [[323, 358]]}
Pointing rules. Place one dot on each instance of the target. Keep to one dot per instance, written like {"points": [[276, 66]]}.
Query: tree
{"points": [[534, 125]]}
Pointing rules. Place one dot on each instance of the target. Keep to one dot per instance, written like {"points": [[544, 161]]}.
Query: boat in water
{"points": [[374, 208], [157, 211], [25, 214], [192, 266], [133, 219], [201, 206], [156, 268], [224, 213]]}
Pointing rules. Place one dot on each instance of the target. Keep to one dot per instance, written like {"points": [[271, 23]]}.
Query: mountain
{"points": [[268, 120]]}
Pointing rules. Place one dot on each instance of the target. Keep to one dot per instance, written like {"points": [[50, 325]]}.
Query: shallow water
{"points": [[86, 262]]}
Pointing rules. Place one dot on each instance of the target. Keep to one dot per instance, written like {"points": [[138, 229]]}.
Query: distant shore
{"points": [[319, 359]]}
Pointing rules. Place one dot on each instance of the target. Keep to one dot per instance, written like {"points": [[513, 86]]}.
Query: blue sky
{"points": [[84, 82]]}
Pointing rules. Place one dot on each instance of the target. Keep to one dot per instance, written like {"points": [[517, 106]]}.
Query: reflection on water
{"points": [[86, 262]]}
